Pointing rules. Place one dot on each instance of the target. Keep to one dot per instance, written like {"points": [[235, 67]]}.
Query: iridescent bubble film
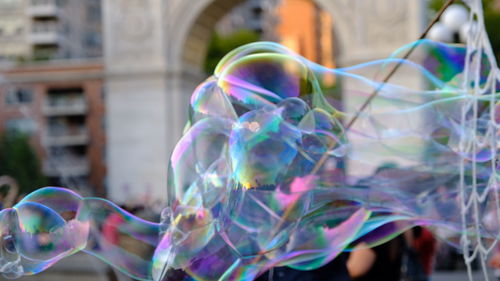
{"points": [[272, 171]]}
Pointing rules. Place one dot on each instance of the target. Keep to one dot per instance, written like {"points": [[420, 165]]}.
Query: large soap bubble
{"points": [[270, 171]]}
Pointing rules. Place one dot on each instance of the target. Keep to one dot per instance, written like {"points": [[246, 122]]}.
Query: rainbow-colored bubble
{"points": [[271, 172]]}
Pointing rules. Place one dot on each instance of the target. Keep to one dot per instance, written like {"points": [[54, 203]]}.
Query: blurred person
{"points": [[110, 229], [494, 262], [111, 234], [425, 245], [115, 237], [382, 262], [397, 259], [491, 221], [385, 261]]}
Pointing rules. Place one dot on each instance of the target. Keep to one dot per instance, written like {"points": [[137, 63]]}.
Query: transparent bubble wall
{"points": [[271, 172]]}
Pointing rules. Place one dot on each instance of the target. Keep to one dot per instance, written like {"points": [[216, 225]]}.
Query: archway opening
{"points": [[224, 25]]}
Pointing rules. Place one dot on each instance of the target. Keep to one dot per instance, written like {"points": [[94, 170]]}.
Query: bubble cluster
{"points": [[271, 172]]}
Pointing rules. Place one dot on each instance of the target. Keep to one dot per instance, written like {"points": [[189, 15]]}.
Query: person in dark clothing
{"points": [[382, 262], [336, 270], [401, 258]]}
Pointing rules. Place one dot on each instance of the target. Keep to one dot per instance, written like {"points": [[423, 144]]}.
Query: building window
{"points": [[103, 94], [45, 53], [66, 29], [257, 12], [19, 30], [24, 125], [17, 96], [94, 13], [104, 155], [103, 123], [92, 39], [61, 3]]}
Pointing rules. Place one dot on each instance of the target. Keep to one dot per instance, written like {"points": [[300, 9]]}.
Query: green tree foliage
{"points": [[435, 5], [19, 161], [219, 46], [491, 21]]}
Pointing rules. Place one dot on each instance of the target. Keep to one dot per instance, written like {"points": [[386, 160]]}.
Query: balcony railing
{"points": [[43, 8], [65, 107], [66, 166], [66, 136], [46, 33]]}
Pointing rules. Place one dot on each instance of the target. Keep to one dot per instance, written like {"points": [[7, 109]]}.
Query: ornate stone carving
{"points": [[132, 29]]}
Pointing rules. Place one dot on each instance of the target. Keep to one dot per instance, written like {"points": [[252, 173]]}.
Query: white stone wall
{"points": [[136, 137]]}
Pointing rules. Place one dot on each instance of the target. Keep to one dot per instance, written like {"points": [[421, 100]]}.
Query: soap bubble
{"points": [[272, 171]]}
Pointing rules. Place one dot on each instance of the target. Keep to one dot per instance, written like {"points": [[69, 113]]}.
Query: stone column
{"points": [[368, 30], [137, 104]]}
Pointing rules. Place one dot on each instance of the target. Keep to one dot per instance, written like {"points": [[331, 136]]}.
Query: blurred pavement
{"points": [[82, 267], [79, 267], [459, 276]]}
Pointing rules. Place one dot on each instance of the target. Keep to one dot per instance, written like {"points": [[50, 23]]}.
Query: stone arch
{"points": [[391, 24], [190, 27], [196, 42]]}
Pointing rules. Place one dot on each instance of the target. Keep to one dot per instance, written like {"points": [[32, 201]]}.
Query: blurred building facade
{"points": [[255, 15], [60, 105], [311, 34], [50, 29]]}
